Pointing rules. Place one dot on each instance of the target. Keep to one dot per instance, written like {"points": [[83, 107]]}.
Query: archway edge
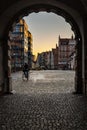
{"points": [[21, 8], [15, 11]]}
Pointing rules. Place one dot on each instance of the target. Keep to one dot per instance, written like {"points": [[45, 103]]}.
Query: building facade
{"points": [[72, 54], [30, 50], [48, 59], [55, 56], [21, 45], [66, 48]]}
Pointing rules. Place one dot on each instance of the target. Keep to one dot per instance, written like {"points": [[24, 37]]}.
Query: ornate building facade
{"points": [[66, 48]]}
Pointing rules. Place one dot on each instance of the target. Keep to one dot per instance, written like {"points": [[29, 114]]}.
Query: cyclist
{"points": [[25, 70]]}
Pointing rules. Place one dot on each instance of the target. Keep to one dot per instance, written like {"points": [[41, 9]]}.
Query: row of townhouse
{"points": [[48, 59], [60, 57], [20, 40]]}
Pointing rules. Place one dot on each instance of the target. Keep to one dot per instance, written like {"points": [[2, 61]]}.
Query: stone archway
{"points": [[16, 12]]}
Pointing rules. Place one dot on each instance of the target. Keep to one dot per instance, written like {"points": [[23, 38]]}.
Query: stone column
{"points": [[78, 69], [7, 68], [1, 69], [85, 55]]}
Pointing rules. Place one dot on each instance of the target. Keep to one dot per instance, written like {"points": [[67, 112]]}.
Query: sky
{"points": [[45, 29]]}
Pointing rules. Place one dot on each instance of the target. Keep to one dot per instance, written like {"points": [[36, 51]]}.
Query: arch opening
{"points": [[58, 11], [45, 66]]}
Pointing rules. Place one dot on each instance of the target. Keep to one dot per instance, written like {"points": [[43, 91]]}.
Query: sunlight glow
{"points": [[45, 29]]}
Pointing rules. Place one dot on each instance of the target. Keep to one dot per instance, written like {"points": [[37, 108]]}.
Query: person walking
{"points": [[26, 70]]}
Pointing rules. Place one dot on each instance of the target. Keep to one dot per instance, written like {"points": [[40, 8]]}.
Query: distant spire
{"points": [[56, 45], [59, 40], [72, 37], [59, 37]]}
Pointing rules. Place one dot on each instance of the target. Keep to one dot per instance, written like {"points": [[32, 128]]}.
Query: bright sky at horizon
{"points": [[45, 29]]}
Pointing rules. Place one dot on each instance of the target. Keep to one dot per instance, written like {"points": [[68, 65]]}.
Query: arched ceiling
{"points": [[44, 7], [79, 5], [12, 10]]}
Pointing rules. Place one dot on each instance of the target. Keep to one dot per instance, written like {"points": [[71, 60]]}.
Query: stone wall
{"points": [[1, 69]]}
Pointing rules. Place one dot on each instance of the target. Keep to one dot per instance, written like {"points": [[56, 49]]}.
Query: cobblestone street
{"points": [[45, 102], [54, 81]]}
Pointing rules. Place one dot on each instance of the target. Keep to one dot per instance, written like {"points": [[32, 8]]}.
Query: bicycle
{"points": [[25, 75]]}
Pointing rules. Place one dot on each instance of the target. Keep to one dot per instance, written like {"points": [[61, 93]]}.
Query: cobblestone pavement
{"points": [[54, 81], [43, 110]]}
